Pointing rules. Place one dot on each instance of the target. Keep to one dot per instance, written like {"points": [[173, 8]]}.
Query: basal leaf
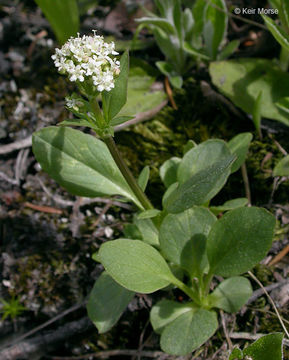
{"points": [[144, 177], [106, 302], [199, 188], [231, 294], [148, 231], [239, 240], [183, 238], [268, 347], [168, 171], [188, 331], [166, 311], [279, 34], [229, 205], [79, 162], [135, 265]]}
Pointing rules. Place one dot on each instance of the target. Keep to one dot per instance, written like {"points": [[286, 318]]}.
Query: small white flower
{"points": [[88, 58]]}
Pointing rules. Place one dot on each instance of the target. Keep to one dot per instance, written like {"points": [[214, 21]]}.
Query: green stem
{"points": [[190, 292], [127, 174], [96, 110]]}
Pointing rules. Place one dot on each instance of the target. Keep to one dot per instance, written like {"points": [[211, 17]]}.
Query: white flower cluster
{"points": [[88, 57]]}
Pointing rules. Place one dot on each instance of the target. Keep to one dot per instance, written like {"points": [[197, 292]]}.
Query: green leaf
{"points": [[268, 347], [279, 34], [283, 104], [177, 17], [148, 214], [229, 205], [163, 24], [77, 122], [228, 50], [135, 265], [239, 146], [282, 167], [114, 100], [239, 240], [149, 232], [199, 188], [80, 163], [215, 26], [188, 331], [168, 70], [257, 118], [195, 52], [168, 171], [140, 95], [201, 157], [242, 81], [63, 17], [236, 354], [183, 239], [120, 120], [106, 302], [231, 294], [144, 177], [166, 311]]}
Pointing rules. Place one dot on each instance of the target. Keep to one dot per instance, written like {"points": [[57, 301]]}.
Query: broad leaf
{"points": [[79, 162], [166, 311], [282, 167], [279, 34], [188, 331], [239, 146], [201, 157], [242, 81], [63, 17], [236, 354], [231, 294], [268, 347], [199, 188], [114, 100], [168, 171], [106, 302], [229, 205], [239, 240], [135, 265], [183, 239], [215, 26]]}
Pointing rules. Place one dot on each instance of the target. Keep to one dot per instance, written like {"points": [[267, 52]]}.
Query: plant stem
{"points": [[191, 293], [127, 173], [96, 110], [284, 59]]}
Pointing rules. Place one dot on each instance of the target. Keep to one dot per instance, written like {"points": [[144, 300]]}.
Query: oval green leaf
{"points": [[188, 331], [239, 146], [80, 163], [231, 294], [268, 347], [135, 265], [282, 167], [239, 240], [106, 302], [183, 238]]}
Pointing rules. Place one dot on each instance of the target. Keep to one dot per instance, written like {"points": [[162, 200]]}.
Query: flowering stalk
{"points": [[88, 61]]}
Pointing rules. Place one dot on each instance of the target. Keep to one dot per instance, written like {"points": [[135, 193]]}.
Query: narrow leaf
{"points": [[148, 214], [168, 171], [257, 117], [135, 265], [279, 34], [229, 205], [239, 146], [144, 177]]}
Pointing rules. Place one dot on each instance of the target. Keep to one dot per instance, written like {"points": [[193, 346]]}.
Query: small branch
{"points": [[108, 353], [279, 256], [4, 177], [271, 301], [17, 145], [230, 345], [170, 93], [259, 292], [248, 336]]}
